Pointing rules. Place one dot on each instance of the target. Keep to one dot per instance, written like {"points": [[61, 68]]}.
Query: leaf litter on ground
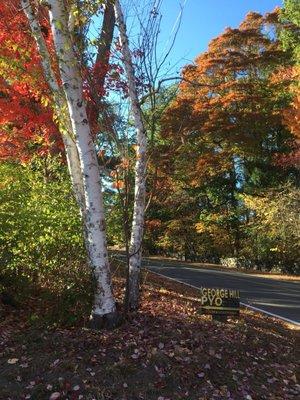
{"points": [[166, 350]]}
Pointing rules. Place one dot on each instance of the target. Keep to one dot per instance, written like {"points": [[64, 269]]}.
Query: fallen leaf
{"points": [[12, 360], [55, 363], [54, 396], [211, 352]]}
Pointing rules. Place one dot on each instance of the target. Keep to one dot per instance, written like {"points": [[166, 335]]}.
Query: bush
{"points": [[41, 243]]}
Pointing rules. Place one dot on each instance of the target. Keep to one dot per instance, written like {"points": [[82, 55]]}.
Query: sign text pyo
{"points": [[219, 301]]}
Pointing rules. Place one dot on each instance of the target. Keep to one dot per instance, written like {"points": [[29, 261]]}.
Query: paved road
{"points": [[278, 297]]}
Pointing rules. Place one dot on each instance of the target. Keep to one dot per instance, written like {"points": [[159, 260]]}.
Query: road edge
{"points": [[297, 324]]}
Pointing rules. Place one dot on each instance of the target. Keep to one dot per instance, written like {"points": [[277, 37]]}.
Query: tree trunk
{"points": [[104, 310], [104, 303], [132, 290], [60, 107]]}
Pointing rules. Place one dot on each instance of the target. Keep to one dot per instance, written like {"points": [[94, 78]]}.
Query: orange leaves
{"points": [[118, 184], [119, 174], [230, 98], [26, 119], [208, 166], [292, 115], [125, 163], [253, 20], [153, 224], [101, 153], [283, 74], [230, 90]]}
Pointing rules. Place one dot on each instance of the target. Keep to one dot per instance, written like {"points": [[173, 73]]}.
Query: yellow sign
{"points": [[215, 300]]}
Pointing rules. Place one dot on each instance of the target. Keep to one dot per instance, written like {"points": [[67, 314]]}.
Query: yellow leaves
{"points": [[265, 209], [58, 24], [75, 11], [56, 119], [60, 117], [209, 226], [38, 139], [275, 249], [200, 227], [254, 202], [14, 46], [214, 232], [45, 101], [6, 181], [136, 149], [78, 19]]}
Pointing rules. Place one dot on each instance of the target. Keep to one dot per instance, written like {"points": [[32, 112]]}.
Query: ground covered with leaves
{"points": [[166, 351]]}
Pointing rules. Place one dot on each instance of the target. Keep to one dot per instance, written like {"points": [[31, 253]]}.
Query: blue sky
{"points": [[203, 20]]}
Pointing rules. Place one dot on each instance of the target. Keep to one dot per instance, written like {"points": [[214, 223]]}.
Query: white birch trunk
{"points": [[95, 224], [60, 107], [132, 297], [104, 303]]}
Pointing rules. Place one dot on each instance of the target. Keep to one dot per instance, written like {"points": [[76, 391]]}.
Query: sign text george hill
{"points": [[220, 301]]}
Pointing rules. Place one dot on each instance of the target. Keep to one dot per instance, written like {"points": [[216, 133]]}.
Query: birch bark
{"points": [[132, 294], [60, 107], [104, 310]]}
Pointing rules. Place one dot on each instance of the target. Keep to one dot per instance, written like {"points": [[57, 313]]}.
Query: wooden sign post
{"points": [[220, 303]]}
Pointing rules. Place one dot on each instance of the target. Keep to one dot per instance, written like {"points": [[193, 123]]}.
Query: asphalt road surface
{"points": [[281, 298]]}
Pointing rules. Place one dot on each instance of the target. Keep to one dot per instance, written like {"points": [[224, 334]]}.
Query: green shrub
{"points": [[41, 243]]}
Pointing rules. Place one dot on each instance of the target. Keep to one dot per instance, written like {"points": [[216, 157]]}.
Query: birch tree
{"points": [[150, 70], [135, 256], [80, 150], [60, 106]]}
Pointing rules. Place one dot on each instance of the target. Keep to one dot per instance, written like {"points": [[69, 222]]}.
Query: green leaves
{"points": [[40, 225], [290, 17]]}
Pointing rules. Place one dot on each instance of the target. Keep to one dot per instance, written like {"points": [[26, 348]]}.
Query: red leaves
{"points": [[23, 123], [26, 119]]}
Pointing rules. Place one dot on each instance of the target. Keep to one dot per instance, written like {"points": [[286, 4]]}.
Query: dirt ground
{"points": [[166, 351]]}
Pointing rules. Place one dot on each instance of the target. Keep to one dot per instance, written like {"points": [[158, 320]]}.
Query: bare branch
{"points": [[173, 78]]}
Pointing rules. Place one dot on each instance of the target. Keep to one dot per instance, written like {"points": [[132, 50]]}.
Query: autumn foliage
{"points": [[26, 123], [230, 131]]}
